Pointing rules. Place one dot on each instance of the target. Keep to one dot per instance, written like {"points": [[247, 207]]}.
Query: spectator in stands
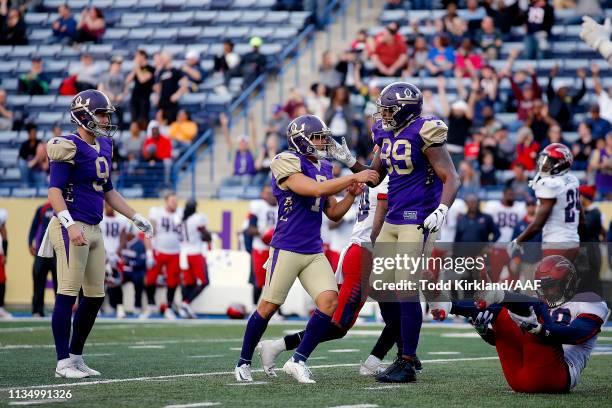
{"points": [[340, 116], [86, 72], [360, 43], [192, 70], [328, 72], [489, 122], [389, 56], [488, 173], [591, 232], [471, 150], [600, 163], [112, 83], [519, 183], [295, 100], [91, 26], [539, 121], [583, 147], [227, 62], [317, 100], [6, 116], [169, 87], [441, 58], [431, 103], [539, 19], [244, 162], [554, 135], [183, 130], [57, 130], [65, 27], [452, 23], [253, 63], [505, 151], [417, 64], [489, 38], [560, 103], [505, 14], [278, 122], [489, 82], [264, 159], [603, 98], [131, 147], [459, 116], [394, 5], [142, 77], [468, 62], [599, 125], [526, 94], [31, 166], [351, 70], [12, 26], [34, 82], [470, 179], [527, 149], [157, 147]]}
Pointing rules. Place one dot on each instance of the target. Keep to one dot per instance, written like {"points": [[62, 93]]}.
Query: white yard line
{"points": [[443, 353], [122, 343], [194, 405], [151, 346], [248, 383], [385, 387], [208, 356], [343, 351], [37, 402], [356, 406]]}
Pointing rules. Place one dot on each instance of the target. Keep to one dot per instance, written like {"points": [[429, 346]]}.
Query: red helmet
{"points": [[555, 159], [236, 311], [558, 280]]}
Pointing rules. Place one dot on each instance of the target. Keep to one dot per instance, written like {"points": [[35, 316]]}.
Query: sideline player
{"points": [[79, 184], [113, 233], [304, 187], [3, 254], [423, 184]]}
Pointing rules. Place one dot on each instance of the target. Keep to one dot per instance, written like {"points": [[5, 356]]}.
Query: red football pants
{"points": [[173, 271], [196, 270], [259, 258], [498, 258], [356, 267], [529, 365], [2, 270]]}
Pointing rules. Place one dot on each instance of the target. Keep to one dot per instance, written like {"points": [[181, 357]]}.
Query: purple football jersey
{"points": [[298, 228], [83, 176], [414, 187]]}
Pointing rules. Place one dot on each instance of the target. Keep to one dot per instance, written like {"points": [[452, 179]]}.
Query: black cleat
{"points": [[392, 368], [418, 366], [405, 373]]}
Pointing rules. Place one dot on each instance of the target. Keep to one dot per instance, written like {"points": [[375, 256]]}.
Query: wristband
{"points": [[65, 218]]}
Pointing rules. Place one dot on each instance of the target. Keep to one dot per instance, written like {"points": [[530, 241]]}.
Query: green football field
{"points": [[190, 364]]}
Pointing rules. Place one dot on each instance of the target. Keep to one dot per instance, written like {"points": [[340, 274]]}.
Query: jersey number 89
{"points": [[403, 161]]}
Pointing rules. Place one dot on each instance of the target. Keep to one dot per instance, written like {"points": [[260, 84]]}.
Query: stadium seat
{"points": [[23, 51], [10, 84], [24, 192], [12, 174]]}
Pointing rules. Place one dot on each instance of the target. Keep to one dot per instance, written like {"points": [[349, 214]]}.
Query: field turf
{"points": [[159, 364]]}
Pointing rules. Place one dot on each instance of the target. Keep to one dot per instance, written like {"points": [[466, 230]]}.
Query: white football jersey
{"points": [[562, 225], [339, 236], [366, 210], [3, 218], [168, 230], [577, 355], [506, 218], [112, 227], [266, 218], [191, 241], [449, 228]]}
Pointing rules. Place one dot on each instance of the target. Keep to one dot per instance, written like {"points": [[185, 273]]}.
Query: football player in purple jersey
{"points": [[304, 188], [423, 184], [79, 185]]}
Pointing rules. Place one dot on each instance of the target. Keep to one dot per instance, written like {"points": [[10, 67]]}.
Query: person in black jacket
{"points": [[253, 63], [12, 26], [539, 19], [42, 266], [561, 103], [590, 235]]}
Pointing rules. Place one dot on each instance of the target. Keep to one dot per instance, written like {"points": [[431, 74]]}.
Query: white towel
{"points": [[46, 247], [183, 262]]}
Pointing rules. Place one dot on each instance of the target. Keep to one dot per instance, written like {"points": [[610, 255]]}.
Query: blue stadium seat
{"points": [[204, 17], [5, 192], [156, 19], [243, 4], [24, 51], [231, 192], [171, 5], [10, 84], [165, 34], [189, 34], [252, 17], [49, 118], [24, 192], [49, 51], [132, 192], [181, 19], [8, 157], [238, 33], [228, 17], [115, 34], [212, 34], [140, 34], [36, 19], [8, 136], [264, 33], [7, 67], [276, 17], [12, 174]]}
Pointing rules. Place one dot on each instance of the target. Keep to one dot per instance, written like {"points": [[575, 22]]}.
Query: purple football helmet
{"points": [[84, 108], [301, 132], [398, 104]]}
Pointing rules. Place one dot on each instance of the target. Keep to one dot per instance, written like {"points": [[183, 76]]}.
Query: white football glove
{"points": [[597, 36], [143, 224], [150, 259], [529, 323], [342, 153], [485, 298], [434, 221], [514, 247], [481, 322], [440, 310]]}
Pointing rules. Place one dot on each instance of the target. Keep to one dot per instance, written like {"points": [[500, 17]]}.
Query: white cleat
{"points": [[186, 312], [120, 312], [66, 369], [169, 314], [243, 373], [79, 363], [4, 314], [268, 351], [147, 312], [299, 371], [372, 366]]}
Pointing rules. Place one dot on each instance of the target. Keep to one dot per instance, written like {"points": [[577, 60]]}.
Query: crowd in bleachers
{"points": [[508, 77], [168, 66]]}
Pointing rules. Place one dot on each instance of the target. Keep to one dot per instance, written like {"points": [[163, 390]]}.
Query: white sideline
{"points": [[38, 402], [194, 405], [163, 377], [122, 343]]}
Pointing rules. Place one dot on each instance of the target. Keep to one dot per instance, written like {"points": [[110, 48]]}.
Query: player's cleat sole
{"points": [[268, 353], [418, 366], [391, 368], [299, 371], [243, 373], [70, 372]]}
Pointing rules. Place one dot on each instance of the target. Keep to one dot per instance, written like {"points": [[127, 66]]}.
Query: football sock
{"points": [[150, 290], [255, 329], [411, 320], [391, 314], [60, 324], [2, 292], [170, 296], [256, 294], [292, 341], [464, 308], [315, 330], [334, 332], [196, 291], [84, 319], [186, 291]]}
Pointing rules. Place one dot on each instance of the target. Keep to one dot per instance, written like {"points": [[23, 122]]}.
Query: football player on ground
{"points": [[192, 262], [3, 253], [423, 184], [113, 232], [166, 245], [506, 213], [79, 184], [559, 213], [262, 221], [543, 344], [304, 187]]}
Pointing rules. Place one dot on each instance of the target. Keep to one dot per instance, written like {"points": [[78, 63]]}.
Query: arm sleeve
{"points": [[108, 186], [580, 330], [34, 226], [59, 174]]}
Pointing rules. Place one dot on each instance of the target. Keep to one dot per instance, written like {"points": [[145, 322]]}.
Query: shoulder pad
{"points": [[284, 165], [548, 187], [433, 132], [61, 149]]}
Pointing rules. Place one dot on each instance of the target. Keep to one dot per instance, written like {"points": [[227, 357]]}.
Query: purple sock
{"points": [[60, 324], [255, 329], [84, 319], [315, 330], [411, 320]]}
